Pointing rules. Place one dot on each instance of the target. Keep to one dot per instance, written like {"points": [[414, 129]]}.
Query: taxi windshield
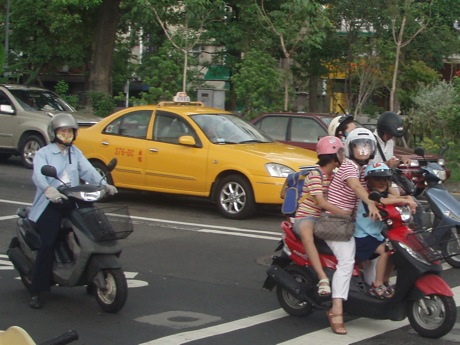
{"points": [[229, 129]]}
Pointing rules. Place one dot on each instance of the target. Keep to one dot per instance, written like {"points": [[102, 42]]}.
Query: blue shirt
{"points": [[79, 169], [365, 226]]}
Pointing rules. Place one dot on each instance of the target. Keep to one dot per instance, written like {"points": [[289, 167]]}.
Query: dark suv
{"points": [[24, 116], [304, 130]]}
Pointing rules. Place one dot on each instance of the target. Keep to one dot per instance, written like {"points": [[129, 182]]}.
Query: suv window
{"points": [[39, 100]]}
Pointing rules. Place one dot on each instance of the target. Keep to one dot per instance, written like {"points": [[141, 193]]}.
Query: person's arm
{"points": [[361, 193], [325, 205], [405, 200]]}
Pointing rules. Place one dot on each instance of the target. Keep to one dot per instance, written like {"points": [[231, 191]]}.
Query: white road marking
{"points": [[197, 227], [185, 337], [358, 329], [8, 217]]}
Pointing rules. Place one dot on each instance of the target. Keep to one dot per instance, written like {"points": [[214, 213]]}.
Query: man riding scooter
{"points": [[49, 206]]}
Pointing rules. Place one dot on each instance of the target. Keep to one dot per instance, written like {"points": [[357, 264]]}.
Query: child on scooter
{"points": [[330, 153], [368, 233]]}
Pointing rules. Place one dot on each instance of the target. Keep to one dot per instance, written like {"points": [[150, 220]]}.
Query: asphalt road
{"points": [[194, 278]]}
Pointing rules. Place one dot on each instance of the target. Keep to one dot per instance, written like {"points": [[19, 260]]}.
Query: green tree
{"points": [[257, 84], [295, 23]]}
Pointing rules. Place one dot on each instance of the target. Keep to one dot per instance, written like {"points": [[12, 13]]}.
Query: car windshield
{"points": [[229, 129], [40, 100]]}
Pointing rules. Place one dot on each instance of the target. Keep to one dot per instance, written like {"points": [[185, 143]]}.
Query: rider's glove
{"points": [[111, 190], [53, 195]]}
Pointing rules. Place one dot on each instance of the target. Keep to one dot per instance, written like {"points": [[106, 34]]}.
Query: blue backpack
{"points": [[292, 191]]}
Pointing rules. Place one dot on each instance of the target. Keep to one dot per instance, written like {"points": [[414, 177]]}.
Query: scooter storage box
{"points": [[104, 224]]}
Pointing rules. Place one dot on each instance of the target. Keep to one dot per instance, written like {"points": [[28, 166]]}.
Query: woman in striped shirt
{"points": [[330, 153], [347, 187]]}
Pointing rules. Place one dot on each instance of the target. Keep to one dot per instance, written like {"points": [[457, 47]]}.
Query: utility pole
{"points": [[7, 29]]}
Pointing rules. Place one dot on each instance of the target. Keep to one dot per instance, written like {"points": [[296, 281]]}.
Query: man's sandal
{"points": [[324, 287], [337, 327]]}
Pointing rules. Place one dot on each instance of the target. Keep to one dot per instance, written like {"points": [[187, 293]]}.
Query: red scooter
{"points": [[420, 292]]}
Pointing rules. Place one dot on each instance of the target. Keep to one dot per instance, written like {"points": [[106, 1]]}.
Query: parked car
{"points": [[183, 147], [24, 114], [304, 130]]}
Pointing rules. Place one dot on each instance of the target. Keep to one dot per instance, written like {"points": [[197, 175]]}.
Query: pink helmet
{"points": [[328, 145]]}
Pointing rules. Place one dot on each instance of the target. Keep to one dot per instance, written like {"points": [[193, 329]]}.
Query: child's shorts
{"points": [[297, 222], [366, 247]]}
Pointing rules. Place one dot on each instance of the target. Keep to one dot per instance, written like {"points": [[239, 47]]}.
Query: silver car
{"points": [[24, 116]]}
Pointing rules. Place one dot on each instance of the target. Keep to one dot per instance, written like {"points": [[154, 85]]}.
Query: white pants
{"points": [[345, 254]]}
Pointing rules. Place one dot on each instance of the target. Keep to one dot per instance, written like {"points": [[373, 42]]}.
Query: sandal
{"points": [[324, 287], [337, 327], [389, 288], [380, 292]]}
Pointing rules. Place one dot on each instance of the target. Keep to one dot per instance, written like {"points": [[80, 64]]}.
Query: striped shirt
{"points": [[340, 194], [313, 185]]}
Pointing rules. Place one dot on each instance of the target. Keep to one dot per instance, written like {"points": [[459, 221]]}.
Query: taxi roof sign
{"points": [[181, 97]]}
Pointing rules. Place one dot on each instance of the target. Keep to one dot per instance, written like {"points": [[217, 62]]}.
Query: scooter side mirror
{"points": [[375, 196], [49, 170], [112, 164], [419, 151]]}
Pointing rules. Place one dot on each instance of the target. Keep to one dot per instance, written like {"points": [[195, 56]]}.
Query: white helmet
{"points": [[360, 136], [334, 127]]}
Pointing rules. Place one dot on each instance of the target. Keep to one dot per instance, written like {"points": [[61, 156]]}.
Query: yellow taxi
{"points": [[183, 147]]}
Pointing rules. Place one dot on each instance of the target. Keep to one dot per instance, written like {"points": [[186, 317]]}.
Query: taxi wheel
{"points": [[102, 169], [235, 198]]}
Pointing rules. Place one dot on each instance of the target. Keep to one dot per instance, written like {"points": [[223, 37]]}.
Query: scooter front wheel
{"points": [[288, 302], [112, 297], [452, 246], [432, 316]]}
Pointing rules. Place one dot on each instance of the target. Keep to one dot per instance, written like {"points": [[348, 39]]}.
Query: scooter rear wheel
{"points": [[288, 302], [113, 297], [432, 316]]}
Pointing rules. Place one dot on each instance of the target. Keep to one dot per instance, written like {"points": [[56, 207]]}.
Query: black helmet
{"points": [[390, 123]]}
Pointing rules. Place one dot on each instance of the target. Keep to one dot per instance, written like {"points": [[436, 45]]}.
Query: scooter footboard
{"points": [[99, 262], [430, 284]]}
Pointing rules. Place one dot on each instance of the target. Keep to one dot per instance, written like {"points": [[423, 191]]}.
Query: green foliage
{"points": [[102, 103], [413, 76], [436, 114], [62, 89], [258, 83]]}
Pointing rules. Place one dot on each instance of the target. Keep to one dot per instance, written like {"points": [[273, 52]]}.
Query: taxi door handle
{"points": [[153, 150], [105, 143]]}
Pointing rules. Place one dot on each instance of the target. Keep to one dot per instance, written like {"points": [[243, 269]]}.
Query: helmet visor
{"points": [[364, 146]]}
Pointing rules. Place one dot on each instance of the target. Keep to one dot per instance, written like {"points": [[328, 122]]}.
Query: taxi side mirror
{"points": [[187, 140]]}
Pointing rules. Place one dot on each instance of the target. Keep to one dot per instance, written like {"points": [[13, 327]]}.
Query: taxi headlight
{"points": [[278, 170], [406, 214]]}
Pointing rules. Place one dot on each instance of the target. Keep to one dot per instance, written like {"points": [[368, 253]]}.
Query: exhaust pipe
{"points": [[287, 281], [19, 261]]}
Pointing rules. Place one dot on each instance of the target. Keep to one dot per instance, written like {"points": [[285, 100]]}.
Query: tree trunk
{"points": [[100, 75]]}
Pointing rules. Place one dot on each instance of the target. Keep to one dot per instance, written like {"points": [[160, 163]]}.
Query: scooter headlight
{"points": [[88, 196], [414, 254], [405, 212], [414, 163], [452, 216], [440, 174], [441, 162]]}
